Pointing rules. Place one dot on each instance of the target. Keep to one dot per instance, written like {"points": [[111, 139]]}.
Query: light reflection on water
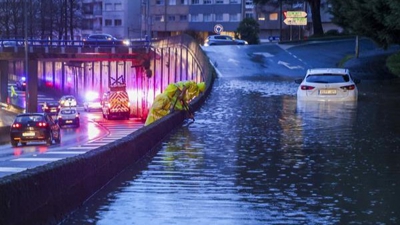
{"points": [[257, 157]]}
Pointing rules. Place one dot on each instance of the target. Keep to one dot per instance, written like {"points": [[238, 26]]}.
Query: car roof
{"points": [[328, 70]]}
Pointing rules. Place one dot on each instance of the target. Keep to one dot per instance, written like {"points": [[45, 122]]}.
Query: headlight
{"points": [[90, 96], [126, 42]]}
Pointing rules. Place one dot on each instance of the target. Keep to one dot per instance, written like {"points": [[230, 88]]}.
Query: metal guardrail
{"points": [[5, 43]]}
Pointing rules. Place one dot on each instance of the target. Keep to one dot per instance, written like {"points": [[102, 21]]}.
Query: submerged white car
{"points": [[327, 84]]}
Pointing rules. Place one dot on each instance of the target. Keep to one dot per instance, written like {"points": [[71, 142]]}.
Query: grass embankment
{"points": [[393, 64]]}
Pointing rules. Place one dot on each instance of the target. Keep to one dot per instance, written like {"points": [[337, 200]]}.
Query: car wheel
{"points": [[49, 140], [14, 143]]}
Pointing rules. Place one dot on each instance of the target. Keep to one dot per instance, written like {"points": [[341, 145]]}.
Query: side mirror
{"points": [[298, 81], [356, 81]]}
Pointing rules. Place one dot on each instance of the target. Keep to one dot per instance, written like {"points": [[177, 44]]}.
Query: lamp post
{"points": [[27, 96]]}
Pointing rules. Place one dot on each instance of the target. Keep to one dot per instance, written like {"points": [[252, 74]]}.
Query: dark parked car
{"points": [[51, 107], [223, 40], [33, 127], [21, 84], [95, 40]]}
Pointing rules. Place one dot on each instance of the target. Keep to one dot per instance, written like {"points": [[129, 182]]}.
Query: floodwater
{"points": [[254, 155]]}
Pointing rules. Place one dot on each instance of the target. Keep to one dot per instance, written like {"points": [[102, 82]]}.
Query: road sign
{"points": [[299, 21], [218, 28], [289, 14]]}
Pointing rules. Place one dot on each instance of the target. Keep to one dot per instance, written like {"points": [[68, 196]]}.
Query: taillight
{"points": [[350, 87], [306, 87], [42, 124], [16, 125]]}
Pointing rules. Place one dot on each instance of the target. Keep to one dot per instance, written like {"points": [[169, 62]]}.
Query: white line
{"points": [[36, 159], [66, 152], [12, 169], [82, 147]]}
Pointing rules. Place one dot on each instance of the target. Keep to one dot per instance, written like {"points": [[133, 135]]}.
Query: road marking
{"points": [[12, 169], [67, 152], [288, 65], [36, 159], [82, 147], [265, 54]]}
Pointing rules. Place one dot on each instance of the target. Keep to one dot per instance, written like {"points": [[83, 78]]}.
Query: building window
{"points": [[107, 23], [108, 7], [195, 2], [233, 17], [219, 1], [195, 18], [184, 2], [172, 2], [219, 17], [273, 16], [160, 2], [118, 6], [183, 17], [159, 18], [171, 18], [233, 1], [117, 22], [249, 15], [261, 16], [207, 18], [207, 2]]}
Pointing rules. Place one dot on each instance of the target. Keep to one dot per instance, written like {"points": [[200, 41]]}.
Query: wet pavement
{"points": [[254, 155]]}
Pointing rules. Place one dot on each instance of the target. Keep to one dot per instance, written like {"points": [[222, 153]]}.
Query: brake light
{"points": [[42, 124], [16, 125], [306, 87], [350, 87]]}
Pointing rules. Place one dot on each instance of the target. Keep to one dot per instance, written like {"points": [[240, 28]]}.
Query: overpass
{"points": [[70, 68]]}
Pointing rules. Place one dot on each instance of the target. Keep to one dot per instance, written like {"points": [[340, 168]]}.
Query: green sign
{"points": [[299, 21], [295, 14]]}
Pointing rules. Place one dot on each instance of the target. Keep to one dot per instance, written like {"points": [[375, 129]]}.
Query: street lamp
{"points": [[27, 96]]}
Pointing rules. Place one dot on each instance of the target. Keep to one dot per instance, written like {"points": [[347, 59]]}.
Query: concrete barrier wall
{"points": [[44, 195]]}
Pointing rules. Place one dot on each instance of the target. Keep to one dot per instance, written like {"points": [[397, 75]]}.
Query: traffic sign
{"points": [[218, 28], [299, 21], [289, 14]]}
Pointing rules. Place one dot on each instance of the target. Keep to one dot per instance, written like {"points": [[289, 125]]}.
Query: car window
{"points": [[328, 78], [26, 118]]}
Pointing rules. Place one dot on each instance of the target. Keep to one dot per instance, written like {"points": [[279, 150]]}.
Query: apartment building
{"points": [[169, 17], [120, 18], [161, 18]]}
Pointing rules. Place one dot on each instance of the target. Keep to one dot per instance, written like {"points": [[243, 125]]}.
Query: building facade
{"points": [[120, 18], [162, 18]]}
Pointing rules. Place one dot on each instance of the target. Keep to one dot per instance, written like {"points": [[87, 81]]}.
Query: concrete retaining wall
{"points": [[46, 194]]}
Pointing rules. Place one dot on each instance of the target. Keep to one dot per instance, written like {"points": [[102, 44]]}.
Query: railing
{"points": [[4, 43]]}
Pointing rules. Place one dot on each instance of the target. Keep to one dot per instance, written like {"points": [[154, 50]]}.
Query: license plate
{"points": [[327, 92], [28, 134], [69, 121], [53, 110]]}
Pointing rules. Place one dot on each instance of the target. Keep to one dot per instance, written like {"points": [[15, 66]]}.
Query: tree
{"points": [[376, 19], [315, 6], [248, 30]]}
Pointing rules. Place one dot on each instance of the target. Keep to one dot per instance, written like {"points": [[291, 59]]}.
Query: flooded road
{"points": [[254, 155]]}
